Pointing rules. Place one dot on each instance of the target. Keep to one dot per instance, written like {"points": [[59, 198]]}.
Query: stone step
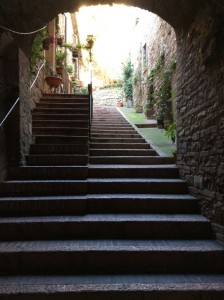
{"points": [[112, 131], [108, 121], [60, 130], [60, 123], [106, 226], [56, 159], [116, 140], [117, 287], [131, 160], [61, 116], [99, 203], [122, 152], [133, 171], [114, 135], [65, 96], [48, 172], [64, 100], [95, 186], [142, 203], [64, 104], [136, 186], [61, 139], [111, 256], [114, 126], [74, 111], [119, 146], [42, 187], [58, 149]]}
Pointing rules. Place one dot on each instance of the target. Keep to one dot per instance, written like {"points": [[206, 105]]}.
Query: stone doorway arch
{"points": [[199, 26]]}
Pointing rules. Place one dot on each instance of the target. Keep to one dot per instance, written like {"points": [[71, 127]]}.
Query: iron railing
{"points": [[90, 89]]}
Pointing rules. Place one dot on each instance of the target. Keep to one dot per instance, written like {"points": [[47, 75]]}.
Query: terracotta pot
{"points": [[53, 81], [75, 54], [59, 70], [46, 43], [60, 41], [119, 104]]}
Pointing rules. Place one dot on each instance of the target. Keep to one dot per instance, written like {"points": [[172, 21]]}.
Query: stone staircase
{"points": [[115, 224]]}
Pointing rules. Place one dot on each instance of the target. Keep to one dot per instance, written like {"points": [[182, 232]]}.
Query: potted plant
{"points": [[138, 108], [70, 69], [75, 53], [59, 39], [60, 61], [46, 39], [119, 103], [52, 79], [148, 110]]}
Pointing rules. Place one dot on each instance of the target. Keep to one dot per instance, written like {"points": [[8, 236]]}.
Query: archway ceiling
{"points": [[28, 15]]}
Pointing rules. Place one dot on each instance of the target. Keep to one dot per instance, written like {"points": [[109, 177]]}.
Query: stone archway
{"points": [[200, 74]]}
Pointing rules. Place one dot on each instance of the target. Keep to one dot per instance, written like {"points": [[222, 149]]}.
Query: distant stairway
{"points": [[123, 227]]}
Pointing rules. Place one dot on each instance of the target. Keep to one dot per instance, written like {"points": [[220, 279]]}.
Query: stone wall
{"points": [[107, 97], [156, 38], [5, 41], [25, 106], [200, 105], [3, 149]]}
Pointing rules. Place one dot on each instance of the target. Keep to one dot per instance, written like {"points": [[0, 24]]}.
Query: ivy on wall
{"points": [[36, 55], [159, 90], [127, 79]]}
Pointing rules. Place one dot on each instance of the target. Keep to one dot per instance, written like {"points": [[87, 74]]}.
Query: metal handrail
{"points": [[17, 100], [90, 89]]}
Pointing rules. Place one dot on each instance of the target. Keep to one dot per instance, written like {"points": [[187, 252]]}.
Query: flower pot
{"points": [[60, 70], [53, 81], [160, 123], [79, 83], [129, 104], [138, 109], [119, 104], [149, 113], [75, 54], [60, 41], [46, 43]]}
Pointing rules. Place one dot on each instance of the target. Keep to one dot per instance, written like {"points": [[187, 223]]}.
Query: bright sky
{"points": [[112, 26]]}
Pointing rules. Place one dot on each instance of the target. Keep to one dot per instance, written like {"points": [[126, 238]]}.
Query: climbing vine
{"points": [[127, 80], [151, 100], [160, 92], [36, 55]]}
